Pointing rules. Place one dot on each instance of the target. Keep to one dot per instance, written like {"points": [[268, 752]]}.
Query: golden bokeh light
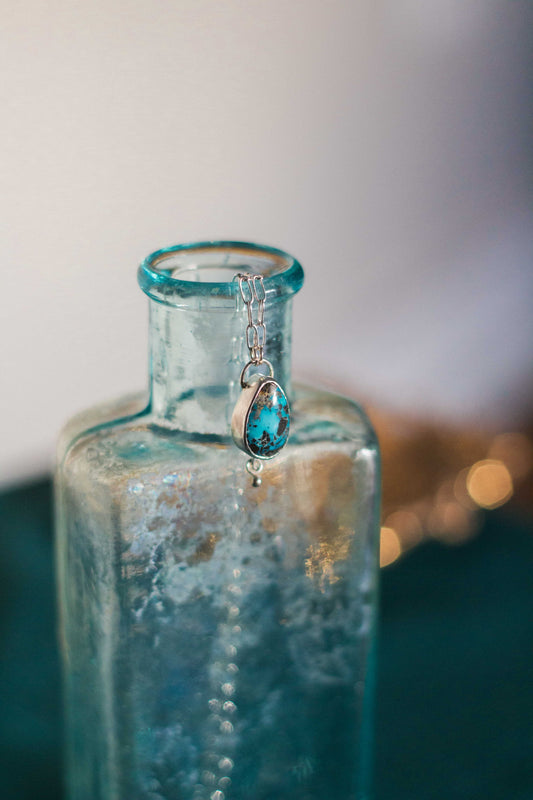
{"points": [[489, 483], [390, 546]]}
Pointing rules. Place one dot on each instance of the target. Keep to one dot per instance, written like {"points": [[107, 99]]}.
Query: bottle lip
{"points": [[177, 275]]}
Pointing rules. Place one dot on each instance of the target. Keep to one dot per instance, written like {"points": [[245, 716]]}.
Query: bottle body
{"points": [[213, 630], [216, 635]]}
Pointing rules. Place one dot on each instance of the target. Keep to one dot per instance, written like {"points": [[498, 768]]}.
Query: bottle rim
{"points": [[178, 274]]}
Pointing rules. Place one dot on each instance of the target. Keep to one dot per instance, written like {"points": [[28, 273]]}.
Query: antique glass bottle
{"points": [[216, 636]]}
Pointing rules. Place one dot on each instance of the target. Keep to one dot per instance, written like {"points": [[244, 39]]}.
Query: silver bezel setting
{"points": [[241, 414]]}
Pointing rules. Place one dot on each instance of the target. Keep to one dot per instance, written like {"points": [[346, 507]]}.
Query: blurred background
{"points": [[387, 145]]}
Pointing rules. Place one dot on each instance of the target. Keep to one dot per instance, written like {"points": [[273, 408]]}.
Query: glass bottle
{"points": [[216, 635]]}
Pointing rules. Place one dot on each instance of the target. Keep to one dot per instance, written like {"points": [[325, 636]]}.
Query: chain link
{"points": [[253, 296]]}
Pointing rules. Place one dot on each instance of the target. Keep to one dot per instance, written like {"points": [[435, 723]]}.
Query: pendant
{"points": [[261, 419]]}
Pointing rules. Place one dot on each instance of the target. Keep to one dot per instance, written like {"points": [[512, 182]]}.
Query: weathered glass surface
{"points": [[216, 635]]}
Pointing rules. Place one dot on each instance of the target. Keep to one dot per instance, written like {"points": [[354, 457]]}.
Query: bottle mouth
{"points": [[177, 275]]}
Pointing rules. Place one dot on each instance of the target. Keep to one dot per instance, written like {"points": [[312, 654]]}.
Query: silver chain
{"points": [[253, 295]]}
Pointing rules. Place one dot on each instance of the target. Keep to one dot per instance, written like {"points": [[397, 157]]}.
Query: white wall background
{"points": [[384, 143]]}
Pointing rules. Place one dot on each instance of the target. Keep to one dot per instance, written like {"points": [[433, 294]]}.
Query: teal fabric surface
{"points": [[455, 678], [30, 718], [454, 715]]}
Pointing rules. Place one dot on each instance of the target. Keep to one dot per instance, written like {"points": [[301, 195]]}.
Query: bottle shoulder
{"points": [[123, 437], [90, 422], [330, 412]]}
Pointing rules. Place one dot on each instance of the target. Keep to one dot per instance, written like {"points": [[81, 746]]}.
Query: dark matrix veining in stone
{"points": [[267, 427]]}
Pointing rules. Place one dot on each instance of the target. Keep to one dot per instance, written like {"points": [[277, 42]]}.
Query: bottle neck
{"points": [[196, 357]]}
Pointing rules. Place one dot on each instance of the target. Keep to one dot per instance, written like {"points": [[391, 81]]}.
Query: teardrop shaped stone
{"points": [[267, 427]]}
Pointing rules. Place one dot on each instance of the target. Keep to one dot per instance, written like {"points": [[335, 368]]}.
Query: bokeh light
{"points": [[489, 483], [390, 546]]}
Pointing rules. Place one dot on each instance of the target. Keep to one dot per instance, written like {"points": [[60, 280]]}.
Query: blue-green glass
{"points": [[216, 636]]}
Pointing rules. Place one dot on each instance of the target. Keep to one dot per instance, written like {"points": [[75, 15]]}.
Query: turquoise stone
{"points": [[267, 426]]}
